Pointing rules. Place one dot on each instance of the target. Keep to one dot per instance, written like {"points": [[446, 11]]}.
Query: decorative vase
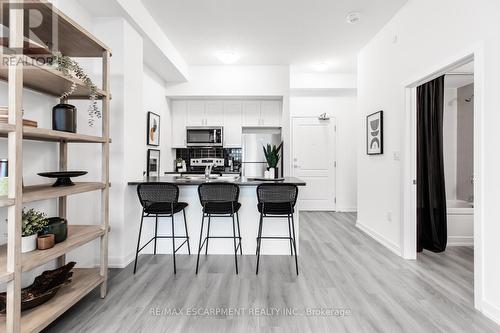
{"points": [[45, 242], [28, 243], [64, 118], [276, 173], [271, 173], [57, 226]]}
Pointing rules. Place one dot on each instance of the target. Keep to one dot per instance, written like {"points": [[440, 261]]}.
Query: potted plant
{"points": [[71, 69], [33, 222], [272, 154]]}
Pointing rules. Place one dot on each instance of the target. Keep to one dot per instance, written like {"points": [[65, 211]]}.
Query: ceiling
{"points": [[272, 32]]}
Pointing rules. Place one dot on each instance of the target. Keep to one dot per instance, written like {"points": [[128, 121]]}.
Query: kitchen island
{"points": [[249, 218]]}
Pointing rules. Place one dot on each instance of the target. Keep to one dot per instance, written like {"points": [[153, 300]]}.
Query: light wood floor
{"points": [[340, 267]]}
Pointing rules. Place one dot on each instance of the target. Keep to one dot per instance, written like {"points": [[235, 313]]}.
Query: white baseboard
{"points": [[460, 241], [491, 311], [396, 249], [120, 262]]}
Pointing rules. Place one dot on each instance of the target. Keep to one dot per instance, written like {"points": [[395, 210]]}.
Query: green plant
{"points": [[272, 154], [33, 222], [71, 69]]}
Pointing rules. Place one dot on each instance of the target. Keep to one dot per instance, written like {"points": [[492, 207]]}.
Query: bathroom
{"points": [[458, 151]]}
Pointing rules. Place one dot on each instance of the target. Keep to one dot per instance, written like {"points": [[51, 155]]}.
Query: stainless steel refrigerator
{"points": [[253, 160]]}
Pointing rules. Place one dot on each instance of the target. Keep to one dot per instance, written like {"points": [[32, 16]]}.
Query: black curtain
{"points": [[431, 193]]}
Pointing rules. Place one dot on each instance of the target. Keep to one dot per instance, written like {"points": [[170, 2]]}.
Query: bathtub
{"points": [[460, 223]]}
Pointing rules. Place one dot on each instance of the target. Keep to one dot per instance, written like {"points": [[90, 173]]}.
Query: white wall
{"points": [[428, 36]]}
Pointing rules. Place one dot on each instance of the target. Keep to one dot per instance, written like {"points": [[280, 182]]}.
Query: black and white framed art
{"points": [[153, 166], [375, 133]]}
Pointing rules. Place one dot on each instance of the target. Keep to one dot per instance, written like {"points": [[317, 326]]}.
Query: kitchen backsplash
{"points": [[227, 153]]}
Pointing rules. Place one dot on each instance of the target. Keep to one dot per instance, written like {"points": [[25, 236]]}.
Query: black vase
{"points": [[57, 226], [64, 118]]}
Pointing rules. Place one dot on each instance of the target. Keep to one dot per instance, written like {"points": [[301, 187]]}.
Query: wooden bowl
{"points": [[45, 242]]}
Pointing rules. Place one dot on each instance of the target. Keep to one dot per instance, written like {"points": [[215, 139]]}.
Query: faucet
{"points": [[208, 170]]}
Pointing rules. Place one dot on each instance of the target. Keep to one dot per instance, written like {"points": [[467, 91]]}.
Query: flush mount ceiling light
{"points": [[353, 17], [228, 57], [322, 66]]}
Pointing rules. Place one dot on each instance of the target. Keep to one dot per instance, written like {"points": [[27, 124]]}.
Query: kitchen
{"points": [[222, 140]]}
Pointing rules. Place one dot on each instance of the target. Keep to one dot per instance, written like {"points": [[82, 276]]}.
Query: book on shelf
{"points": [[26, 122]]}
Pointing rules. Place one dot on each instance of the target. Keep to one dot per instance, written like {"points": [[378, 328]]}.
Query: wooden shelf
{"points": [[5, 276], [72, 39], [48, 80], [6, 202], [83, 281], [78, 235], [47, 191], [43, 134]]}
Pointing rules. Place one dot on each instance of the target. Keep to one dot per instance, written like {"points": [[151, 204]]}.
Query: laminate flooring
{"points": [[347, 283]]}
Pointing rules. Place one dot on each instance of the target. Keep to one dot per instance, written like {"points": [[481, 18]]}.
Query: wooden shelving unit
{"points": [[83, 282], [74, 41]]}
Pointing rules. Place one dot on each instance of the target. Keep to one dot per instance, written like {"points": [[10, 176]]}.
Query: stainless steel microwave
{"points": [[204, 136]]}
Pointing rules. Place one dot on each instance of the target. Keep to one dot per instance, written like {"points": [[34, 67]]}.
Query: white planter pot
{"points": [[271, 173], [28, 243]]}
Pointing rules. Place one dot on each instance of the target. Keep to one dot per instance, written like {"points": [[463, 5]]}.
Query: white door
{"points": [[232, 124], [270, 113], [196, 113], [179, 113], [313, 149], [251, 113], [214, 113]]}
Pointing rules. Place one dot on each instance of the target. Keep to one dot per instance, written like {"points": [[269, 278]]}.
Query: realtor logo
{"points": [[40, 29]]}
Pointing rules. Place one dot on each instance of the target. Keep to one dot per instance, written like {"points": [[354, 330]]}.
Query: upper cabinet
{"points": [[262, 113], [232, 124], [270, 113], [196, 113], [232, 114]]}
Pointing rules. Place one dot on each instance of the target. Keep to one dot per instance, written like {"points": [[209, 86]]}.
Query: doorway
{"points": [[408, 185], [314, 151]]}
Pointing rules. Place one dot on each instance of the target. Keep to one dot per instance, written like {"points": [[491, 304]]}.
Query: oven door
{"points": [[204, 136]]}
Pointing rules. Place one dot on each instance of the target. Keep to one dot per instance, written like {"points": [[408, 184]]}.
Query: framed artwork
{"points": [[375, 133], [153, 166], [153, 135]]}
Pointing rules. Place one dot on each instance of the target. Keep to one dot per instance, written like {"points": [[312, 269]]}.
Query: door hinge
{"points": [[335, 164], [335, 128], [335, 200]]}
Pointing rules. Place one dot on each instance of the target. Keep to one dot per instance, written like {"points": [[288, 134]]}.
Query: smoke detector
{"points": [[353, 17]]}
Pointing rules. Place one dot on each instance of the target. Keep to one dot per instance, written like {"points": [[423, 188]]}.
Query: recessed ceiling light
{"points": [[228, 57], [322, 66], [353, 17]]}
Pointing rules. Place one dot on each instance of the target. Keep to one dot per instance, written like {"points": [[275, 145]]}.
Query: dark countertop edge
{"points": [[288, 180]]}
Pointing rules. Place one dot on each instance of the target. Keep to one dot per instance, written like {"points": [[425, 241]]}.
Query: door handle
{"points": [[295, 166]]}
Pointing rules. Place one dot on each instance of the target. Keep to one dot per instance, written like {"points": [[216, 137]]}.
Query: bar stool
{"points": [[161, 200], [219, 200], [277, 201]]}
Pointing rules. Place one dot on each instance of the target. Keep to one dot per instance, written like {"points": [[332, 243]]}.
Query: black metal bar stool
{"points": [[161, 200], [277, 201], [219, 200]]}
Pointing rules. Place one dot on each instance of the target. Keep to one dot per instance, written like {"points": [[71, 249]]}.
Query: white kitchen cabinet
{"points": [[251, 113], [214, 113], [196, 113], [262, 113], [179, 118], [270, 113], [232, 124]]}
